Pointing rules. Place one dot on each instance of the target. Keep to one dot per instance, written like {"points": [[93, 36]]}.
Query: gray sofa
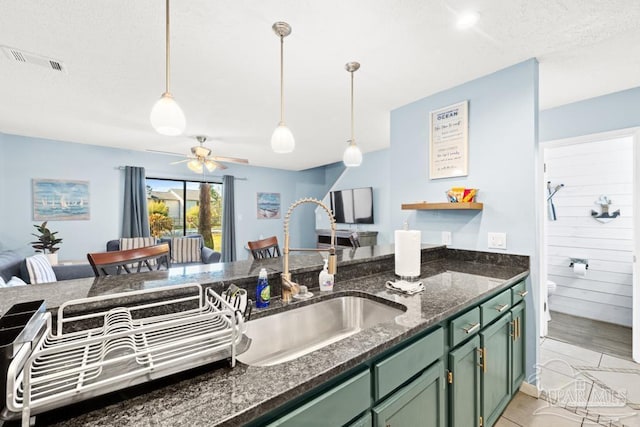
{"points": [[208, 255], [12, 263]]}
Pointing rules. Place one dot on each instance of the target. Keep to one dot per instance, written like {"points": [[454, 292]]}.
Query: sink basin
{"points": [[293, 333]]}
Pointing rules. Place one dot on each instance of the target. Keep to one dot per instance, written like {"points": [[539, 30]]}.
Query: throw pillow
{"points": [[185, 249], [137, 242], [3, 284], [40, 270], [15, 281]]}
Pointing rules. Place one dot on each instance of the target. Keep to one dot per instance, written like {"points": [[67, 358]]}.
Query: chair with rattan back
{"points": [[265, 248], [130, 261]]}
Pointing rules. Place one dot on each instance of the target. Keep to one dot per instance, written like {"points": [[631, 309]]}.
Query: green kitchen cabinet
{"points": [[334, 407], [420, 403], [518, 347], [496, 359], [464, 384]]}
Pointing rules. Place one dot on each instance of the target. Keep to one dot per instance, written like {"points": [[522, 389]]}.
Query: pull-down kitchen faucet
{"points": [[290, 288]]}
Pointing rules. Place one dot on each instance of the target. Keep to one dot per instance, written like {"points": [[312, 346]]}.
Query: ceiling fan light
{"points": [[200, 151], [167, 117], [352, 156], [211, 166], [282, 140], [195, 166]]}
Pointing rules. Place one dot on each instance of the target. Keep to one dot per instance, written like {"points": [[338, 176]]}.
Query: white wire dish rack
{"points": [[129, 348]]}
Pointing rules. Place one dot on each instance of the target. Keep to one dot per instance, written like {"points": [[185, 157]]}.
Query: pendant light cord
{"points": [[281, 80], [352, 120], [168, 51]]}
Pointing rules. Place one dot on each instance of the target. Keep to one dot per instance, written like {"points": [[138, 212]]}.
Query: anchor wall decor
{"points": [[605, 216]]}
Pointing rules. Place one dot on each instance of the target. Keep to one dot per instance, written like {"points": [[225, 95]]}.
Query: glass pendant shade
{"points": [[282, 140], [195, 165], [352, 156], [167, 117]]}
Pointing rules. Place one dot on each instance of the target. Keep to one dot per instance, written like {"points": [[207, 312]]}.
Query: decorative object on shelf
{"points": [[282, 140], [448, 141], [166, 116], [47, 242], [426, 206], [552, 192], [60, 200], [462, 195], [352, 155], [268, 205], [604, 216]]}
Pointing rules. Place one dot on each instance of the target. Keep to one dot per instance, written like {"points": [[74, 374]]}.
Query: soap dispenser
{"points": [[325, 279]]}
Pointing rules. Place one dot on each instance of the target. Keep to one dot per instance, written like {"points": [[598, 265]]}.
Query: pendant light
{"points": [[352, 155], [282, 140], [167, 117]]}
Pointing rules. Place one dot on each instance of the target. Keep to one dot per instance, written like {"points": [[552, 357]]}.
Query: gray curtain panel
{"points": [[228, 221], [135, 218]]}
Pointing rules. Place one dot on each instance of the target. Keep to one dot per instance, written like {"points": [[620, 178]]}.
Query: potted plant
{"points": [[47, 242]]}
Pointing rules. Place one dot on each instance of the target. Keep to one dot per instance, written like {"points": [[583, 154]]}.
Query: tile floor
{"points": [[580, 387]]}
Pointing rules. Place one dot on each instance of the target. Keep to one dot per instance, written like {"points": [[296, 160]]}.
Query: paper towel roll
{"points": [[407, 253], [580, 269]]}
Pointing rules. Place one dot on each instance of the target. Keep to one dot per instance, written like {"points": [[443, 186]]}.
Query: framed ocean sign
{"points": [[268, 205], [60, 200]]}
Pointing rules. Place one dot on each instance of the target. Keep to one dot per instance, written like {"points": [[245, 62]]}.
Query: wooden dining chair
{"points": [[130, 260], [265, 248]]}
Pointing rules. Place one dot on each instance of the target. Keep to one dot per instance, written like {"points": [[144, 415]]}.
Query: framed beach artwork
{"points": [[268, 205], [60, 200]]}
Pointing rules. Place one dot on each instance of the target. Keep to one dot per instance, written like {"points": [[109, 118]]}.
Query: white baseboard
{"points": [[530, 390]]}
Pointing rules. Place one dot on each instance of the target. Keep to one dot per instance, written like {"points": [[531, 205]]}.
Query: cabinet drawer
{"points": [[495, 307], [398, 368], [518, 292], [463, 327], [335, 407]]}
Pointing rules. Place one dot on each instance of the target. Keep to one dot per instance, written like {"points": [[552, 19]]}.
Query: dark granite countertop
{"points": [[220, 395]]}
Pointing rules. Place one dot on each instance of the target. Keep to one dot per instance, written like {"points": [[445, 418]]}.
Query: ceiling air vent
{"points": [[31, 58]]}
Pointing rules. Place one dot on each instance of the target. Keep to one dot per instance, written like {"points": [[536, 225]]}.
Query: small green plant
{"points": [[47, 240]]}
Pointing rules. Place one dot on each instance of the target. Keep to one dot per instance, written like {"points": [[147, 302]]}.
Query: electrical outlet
{"points": [[446, 237], [497, 241]]}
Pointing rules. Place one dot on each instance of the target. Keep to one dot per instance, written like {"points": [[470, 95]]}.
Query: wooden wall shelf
{"points": [[442, 206]]}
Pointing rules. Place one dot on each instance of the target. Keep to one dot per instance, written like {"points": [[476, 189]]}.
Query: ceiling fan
{"points": [[201, 158]]}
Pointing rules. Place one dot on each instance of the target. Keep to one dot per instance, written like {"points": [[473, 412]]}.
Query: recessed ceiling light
{"points": [[466, 20]]}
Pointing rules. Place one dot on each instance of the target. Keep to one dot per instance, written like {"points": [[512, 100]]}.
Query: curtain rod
{"points": [[207, 176]]}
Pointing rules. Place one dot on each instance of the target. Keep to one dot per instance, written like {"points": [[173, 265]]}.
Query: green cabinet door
{"points": [[464, 385], [496, 366], [518, 347], [420, 403]]}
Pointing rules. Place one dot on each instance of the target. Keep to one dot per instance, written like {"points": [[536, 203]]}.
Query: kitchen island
{"points": [[216, 394]]}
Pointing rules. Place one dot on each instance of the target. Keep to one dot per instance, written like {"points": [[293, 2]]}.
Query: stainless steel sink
{"points": [[290, 334]]}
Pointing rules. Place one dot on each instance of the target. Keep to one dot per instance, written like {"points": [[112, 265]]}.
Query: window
{"points": [[175, 209]]}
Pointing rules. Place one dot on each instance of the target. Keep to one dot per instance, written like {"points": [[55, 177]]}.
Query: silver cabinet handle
{"points": [[524, 293], [472, 328], [502, 307]]}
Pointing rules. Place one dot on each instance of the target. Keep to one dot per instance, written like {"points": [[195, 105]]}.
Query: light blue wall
{"points": [[605, 113], [373, 172], [24, 158], [503, 124]]}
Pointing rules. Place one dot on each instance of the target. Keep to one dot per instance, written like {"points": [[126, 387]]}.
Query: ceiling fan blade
{"points": [[230, 160], [220, 165], [179, 161], [165, 152]]}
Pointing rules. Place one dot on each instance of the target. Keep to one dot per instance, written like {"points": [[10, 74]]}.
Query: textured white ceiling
{"points": [[225, 66]]}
